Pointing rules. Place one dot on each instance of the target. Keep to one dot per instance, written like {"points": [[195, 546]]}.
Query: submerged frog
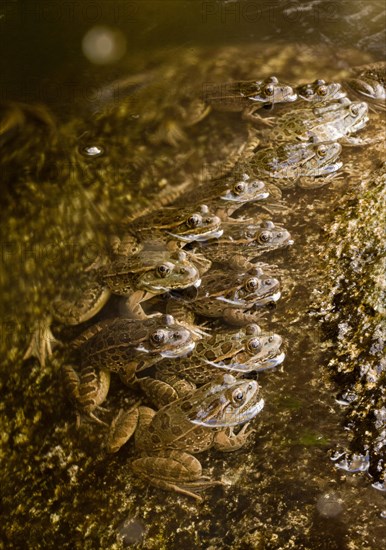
{"points": [[320, 92], [369, 83], [245, 350], [235, 295], [335, 121], [171, 225], [124, 345], [205, 419], [244, 241], [309, 165], [249, 96], [225, 196]]}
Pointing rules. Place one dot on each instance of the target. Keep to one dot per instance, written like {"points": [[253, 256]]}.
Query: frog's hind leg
{"points": [[174, 471], [42, 341]]}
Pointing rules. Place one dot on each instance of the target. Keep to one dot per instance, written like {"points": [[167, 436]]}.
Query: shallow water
{"points": [[284, 491]]}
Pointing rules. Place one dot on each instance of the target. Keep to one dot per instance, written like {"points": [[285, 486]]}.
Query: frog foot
{"points": [[176, 471], [228, 441], [250, 115], [42, 341]]}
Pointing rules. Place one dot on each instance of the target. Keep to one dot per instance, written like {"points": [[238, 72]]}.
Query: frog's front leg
{"points": [[250, 115], [228, 441], [172, 470]]}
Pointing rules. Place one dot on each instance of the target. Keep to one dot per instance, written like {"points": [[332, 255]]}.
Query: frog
{"points": [[124, 345], [224, 196], [248, 97], [245, 350], [245, 241], [308, 165], [369, 83], [236, 295], [320, 92], [331, 122], [138, 278], [173, 226], [168, 438]]}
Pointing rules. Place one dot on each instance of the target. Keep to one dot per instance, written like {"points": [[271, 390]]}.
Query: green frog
{"points": [[309, 165], [249, 96], [246, 240], [369, 83], [205, 419], [235, 295], [239, 351], [332, 122]]}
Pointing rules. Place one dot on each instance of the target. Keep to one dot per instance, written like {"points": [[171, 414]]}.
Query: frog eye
{"points": [[158, 337], [163, 270], [239, 188], [269, 90], [322, 90], [238, 396], [252, 329], [194, 220], [265, 237], [254, 344], [321, 151], [354, 110], [307, 92], [252, 284]]}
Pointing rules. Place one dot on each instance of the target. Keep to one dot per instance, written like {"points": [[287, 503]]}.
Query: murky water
{"points": [[284, 491]]}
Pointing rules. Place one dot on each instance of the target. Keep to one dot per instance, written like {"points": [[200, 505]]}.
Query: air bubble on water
{"points": [[329, 505], [102, 45], [131, 531], [92, 151]]}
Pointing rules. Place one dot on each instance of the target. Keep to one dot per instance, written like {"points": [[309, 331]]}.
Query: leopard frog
{"points": [[320, 92], [168, 439], [306, 164], [225, 196], [123, 345], [369, 83], [174, 225], [245, 241], [240, 351], [335, 121], [249, 96], [235, 295]]}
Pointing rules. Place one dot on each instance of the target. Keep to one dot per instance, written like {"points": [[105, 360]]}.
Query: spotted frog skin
{"points": [[249, 96], [235, 295], [205, 419], [306, 164], [239, 351], [369, 84], [335, 121], [244, 241]]}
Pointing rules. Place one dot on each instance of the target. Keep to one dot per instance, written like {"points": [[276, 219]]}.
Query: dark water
{"points": [[285, 492]]}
